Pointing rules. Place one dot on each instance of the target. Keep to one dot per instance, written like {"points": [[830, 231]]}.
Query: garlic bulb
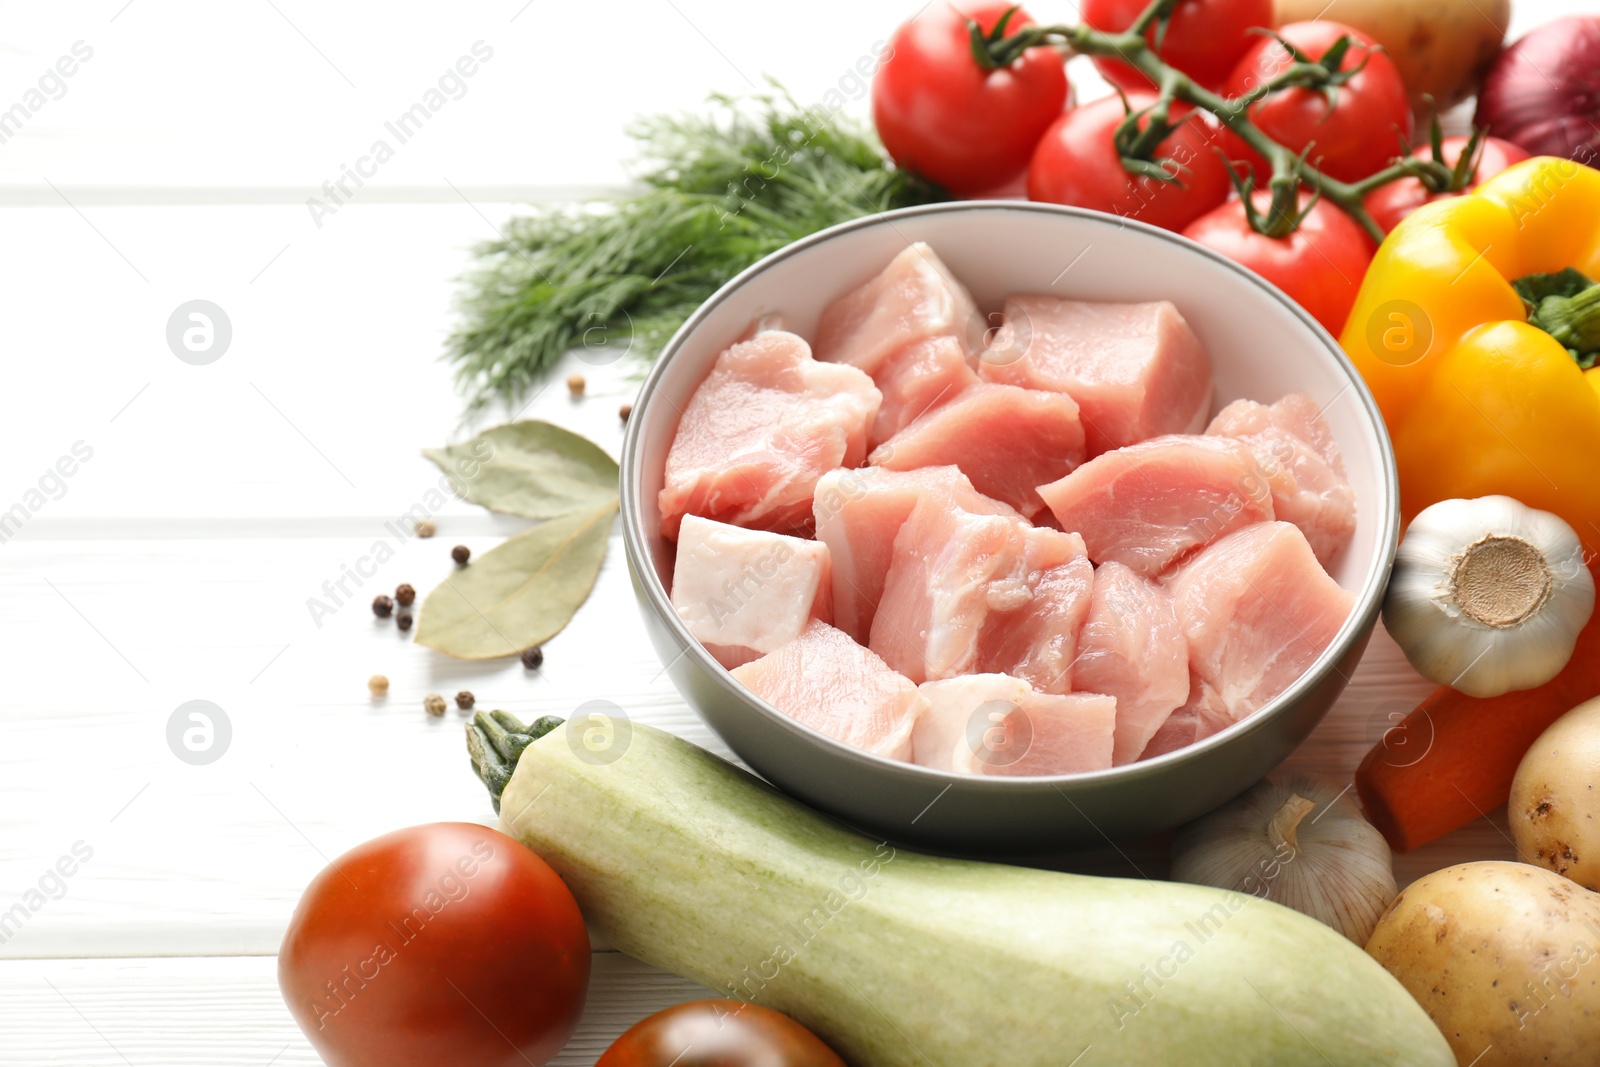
{"points": [[1298, 841], [1488, 595]]}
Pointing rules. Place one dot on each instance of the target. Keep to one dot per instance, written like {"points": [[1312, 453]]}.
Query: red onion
{"points": [[1543, 93]]}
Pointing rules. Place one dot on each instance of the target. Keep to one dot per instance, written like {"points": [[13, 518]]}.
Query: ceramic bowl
{"points": [[1261, 346]]}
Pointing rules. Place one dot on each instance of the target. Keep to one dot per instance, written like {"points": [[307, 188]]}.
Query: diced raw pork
{"points": [[766, 423], [936, 595], [1257, 608], [1052, 734], [859, 512], [1132, 648], [1007, 440], [1292, 443], [956, 719], [743, 593], [912, 299], [1136, 370], [1202, 715], [1150, 503], [1031, 630], [916, 379], [994, 724], [828, 682]]}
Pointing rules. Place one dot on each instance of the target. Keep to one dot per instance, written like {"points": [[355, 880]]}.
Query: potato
{"points": [[1502, 956], [1554, 806], [1442, 47]]}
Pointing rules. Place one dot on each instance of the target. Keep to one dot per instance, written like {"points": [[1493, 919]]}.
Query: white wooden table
{"points": [[176, 562]]}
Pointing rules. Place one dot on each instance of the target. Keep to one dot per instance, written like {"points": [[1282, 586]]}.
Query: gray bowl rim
{"points": [[1366, 605]]}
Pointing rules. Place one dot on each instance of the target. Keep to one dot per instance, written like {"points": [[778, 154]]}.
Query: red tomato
{"points": [[941, 115], [1320, 265], [1393, 202], [718, 1033], [1355, 137], [1204, 38], [446, 943], [1077, 163]]}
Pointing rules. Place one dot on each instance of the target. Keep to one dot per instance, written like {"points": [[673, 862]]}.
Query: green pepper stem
{"points": [[495, 741], [1574, 321]]}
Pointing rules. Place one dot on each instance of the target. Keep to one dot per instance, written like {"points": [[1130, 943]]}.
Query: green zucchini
{"points": [[898, 959]]}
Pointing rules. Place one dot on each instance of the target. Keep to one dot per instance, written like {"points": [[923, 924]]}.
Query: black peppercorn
{"points": [[461, 553], [382, 606], [403, 620], [465, 700], [404, 595], [533, 657]]}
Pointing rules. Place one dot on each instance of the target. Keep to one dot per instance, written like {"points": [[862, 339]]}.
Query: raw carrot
{"points": [[1471, 747]]}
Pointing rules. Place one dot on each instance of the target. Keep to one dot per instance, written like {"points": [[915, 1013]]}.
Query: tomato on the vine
{"points": [[444, 943], [1358, 134], [1320, 265], [718, 1033], [1204, 38], [941, 115], [1077, 163], [1388, 204]]}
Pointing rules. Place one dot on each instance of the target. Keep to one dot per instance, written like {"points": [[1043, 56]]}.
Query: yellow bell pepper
{"points": [[1478, 395]]}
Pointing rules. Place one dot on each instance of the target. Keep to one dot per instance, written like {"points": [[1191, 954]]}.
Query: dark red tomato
{"points": [[1393, 202], [446, 943], [718, 1033], [1077, 163], [1320, 265], [941, 115], [1359, 134], [1204, 38]]}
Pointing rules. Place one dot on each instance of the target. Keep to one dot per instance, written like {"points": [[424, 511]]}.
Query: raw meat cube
{"points": [[936, 594], [743, 593], [1007, 440], [1132, 648], [1292, 443], [767, 422], [994, 724], [912, 299], [1202, 715], [1034, 635], [1257, 608], [826, 681], [957, 717], [1052, 734], [1136, 370], [1146, 505], [916, 379], [859, 512]]}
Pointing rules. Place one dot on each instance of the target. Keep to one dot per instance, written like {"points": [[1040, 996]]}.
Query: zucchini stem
{"points": [[496, 740]]}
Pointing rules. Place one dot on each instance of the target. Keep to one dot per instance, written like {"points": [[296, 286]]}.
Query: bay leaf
{"points": [[522, 592], [530, 468]]}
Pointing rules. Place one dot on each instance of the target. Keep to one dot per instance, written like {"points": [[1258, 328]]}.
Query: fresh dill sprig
{"points": [[722, 189]]}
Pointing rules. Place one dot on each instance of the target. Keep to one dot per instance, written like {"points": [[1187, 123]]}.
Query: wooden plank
{"points": [[226, 1012]]}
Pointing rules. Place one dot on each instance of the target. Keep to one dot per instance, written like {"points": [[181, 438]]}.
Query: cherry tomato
{"points": [[1204, 38], [446, 943], [941, 115], [1390, 203], [1077, 163], [1359, 134], [718, 1033], [1320, 265]]}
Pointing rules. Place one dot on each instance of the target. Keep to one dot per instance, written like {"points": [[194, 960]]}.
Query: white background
{"points": [[177, 563]]}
